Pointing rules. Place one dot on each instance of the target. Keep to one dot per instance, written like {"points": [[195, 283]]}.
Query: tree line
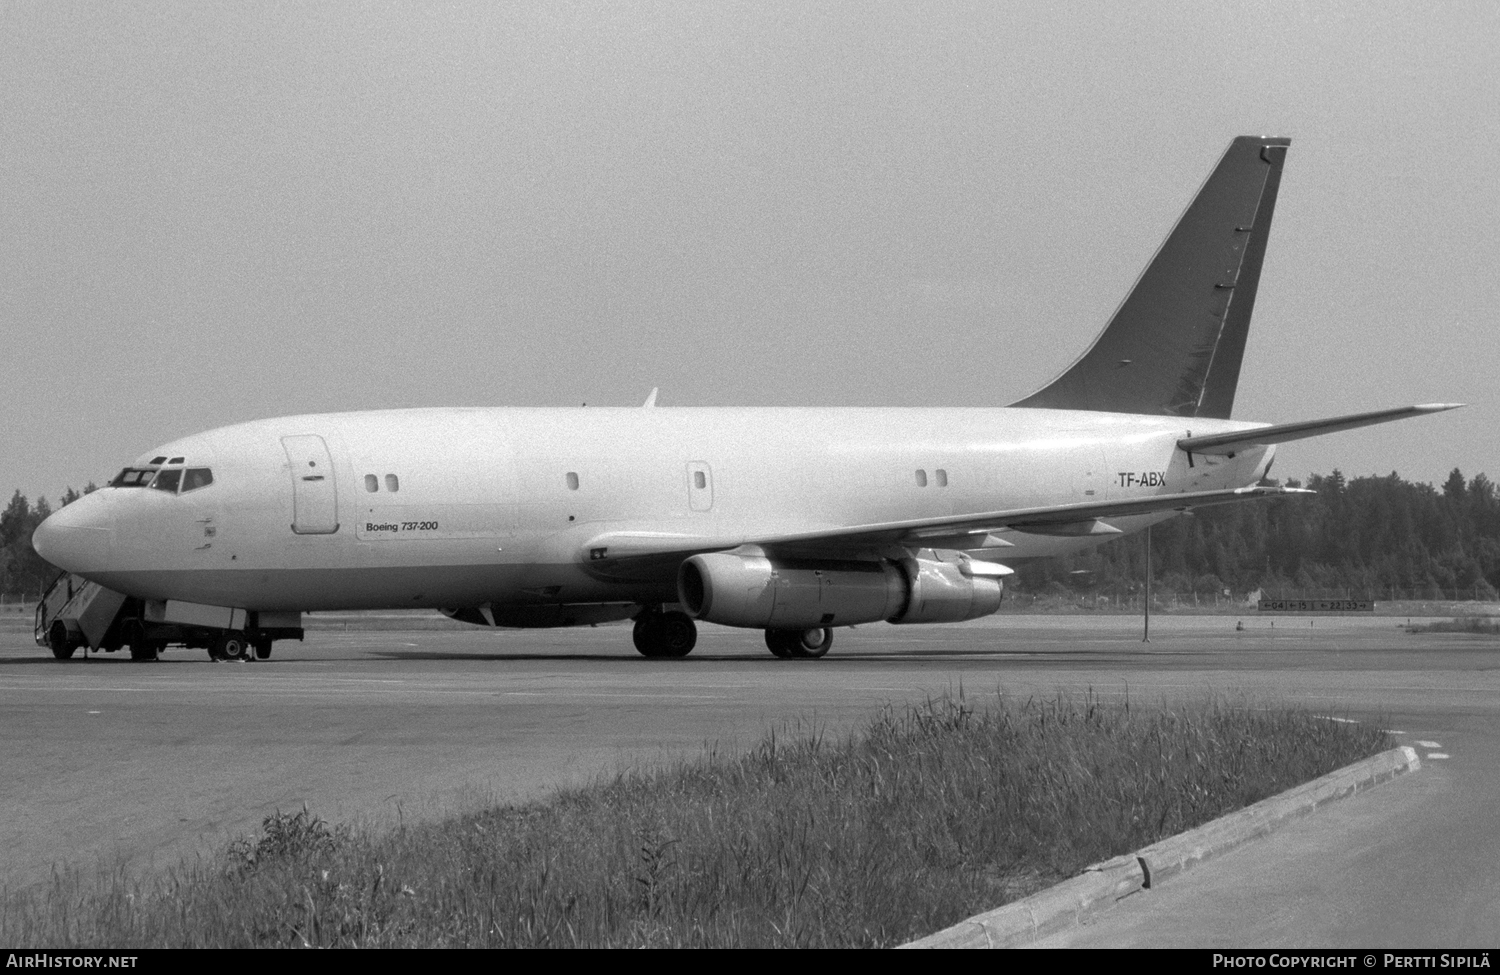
{"points": [[1370, 537], [23, 573]]}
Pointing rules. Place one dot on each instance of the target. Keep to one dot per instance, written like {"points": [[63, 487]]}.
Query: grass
{"points": [[927, 815]]}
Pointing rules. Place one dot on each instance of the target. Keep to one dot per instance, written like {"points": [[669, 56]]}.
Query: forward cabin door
{"points": [[315, 503]]}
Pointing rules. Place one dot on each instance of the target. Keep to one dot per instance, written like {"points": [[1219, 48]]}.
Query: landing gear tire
{"points": [[779, 642], [665, 635], [803, 644], [61, 644], [228, 646], [262, 648]]}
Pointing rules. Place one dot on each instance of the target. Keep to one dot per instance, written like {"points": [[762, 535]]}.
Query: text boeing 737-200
{"points": [[794, 521]]}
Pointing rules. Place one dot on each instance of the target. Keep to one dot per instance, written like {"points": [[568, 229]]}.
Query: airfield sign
{"points": [[1317, 605]]}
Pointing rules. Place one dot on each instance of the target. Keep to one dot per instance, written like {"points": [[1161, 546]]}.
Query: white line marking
{"points": [[1437, 754], [1392, 731], [1430, 744], [94, 712], [1329, 717]]}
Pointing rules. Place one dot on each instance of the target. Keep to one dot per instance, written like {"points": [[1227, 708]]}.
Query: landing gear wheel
{"points": [[679, 634], [665, 635], [58, 640], [644, 634], [812, 643], [802, 644], [779, 642], [262, 647], [228, 646]]}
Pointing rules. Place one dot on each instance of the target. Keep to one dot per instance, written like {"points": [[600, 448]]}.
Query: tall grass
{"points": [[927, 815]]}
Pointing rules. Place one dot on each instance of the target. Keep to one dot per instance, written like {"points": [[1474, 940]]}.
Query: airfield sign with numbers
{"points": [[1317, 606]]}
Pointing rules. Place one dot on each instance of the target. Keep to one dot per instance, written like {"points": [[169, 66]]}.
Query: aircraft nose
{"points": [[77, 538]]}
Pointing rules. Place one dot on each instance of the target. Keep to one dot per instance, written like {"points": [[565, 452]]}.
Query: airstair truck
{"points": [[78, 613]]}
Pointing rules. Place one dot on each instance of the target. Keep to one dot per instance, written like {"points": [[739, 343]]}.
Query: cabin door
{"points": [[315, 505]]}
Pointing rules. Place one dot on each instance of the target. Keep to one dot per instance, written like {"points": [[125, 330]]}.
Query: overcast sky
{"points": [[215, 212]]}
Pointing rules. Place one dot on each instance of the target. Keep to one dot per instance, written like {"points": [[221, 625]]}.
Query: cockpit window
{"points": [[167, 480], [133, 477], [196, 477], [159, 460], [175, 460]]}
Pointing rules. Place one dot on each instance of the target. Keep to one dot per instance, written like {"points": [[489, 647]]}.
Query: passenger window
{"points": [[372, 483], [392, 483], [942, 477], [700, 480], [572, 481], [196, 477], [921, 478], [167, 481]]}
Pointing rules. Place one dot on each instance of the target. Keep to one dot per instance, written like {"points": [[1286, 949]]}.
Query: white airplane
{"points": [[794, 521]]}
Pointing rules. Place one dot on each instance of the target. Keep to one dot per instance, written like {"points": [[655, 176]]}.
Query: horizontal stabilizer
{"points": [[1229, 443]]}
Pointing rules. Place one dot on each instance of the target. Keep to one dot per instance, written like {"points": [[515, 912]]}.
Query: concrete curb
{"points": [[1099, 886]]}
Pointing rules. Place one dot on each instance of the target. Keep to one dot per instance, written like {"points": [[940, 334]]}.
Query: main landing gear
{"points": [[805, 644], [665, 634]]}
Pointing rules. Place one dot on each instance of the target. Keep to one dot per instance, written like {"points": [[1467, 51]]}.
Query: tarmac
{"points": [[119, 765]]}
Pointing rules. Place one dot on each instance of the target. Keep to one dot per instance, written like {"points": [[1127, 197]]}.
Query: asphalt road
{"points": [[112, 763]]}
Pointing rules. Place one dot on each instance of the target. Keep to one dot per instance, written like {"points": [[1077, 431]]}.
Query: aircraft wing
{"points": [[1229, 443], [947, 531], [1083, 518]]}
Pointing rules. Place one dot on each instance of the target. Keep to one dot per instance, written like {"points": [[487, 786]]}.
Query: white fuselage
{"points": [[497, 505]]}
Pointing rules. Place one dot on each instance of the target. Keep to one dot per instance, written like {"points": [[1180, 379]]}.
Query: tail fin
{"points": [[1175, 343]]}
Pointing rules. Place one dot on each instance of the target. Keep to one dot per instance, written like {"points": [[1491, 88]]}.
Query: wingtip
{"points": [[1438, 407]]}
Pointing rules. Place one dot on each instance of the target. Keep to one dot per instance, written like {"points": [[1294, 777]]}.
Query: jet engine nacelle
{"points": [[760, 592], [949, 592]]}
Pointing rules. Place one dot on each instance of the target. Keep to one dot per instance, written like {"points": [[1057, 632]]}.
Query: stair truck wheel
{"points": [[59, 641], [229, 645]]}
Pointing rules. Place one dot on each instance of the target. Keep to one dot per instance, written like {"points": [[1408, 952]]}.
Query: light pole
{"points": [[1146, 634]]}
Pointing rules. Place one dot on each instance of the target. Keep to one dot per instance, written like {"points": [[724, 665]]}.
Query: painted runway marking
{"points": [[1437, 754], [1430, 744]]}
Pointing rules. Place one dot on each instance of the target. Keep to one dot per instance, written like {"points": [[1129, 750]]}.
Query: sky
{"points": [[217, 212]]}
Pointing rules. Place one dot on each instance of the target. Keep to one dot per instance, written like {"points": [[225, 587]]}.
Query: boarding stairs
{"points": [[75, 613]]}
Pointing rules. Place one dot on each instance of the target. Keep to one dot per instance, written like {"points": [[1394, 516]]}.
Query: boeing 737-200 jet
{"points": [[794, 521]]}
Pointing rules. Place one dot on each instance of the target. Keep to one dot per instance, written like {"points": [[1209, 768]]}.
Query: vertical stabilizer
{"points": [[1174, 345]]}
